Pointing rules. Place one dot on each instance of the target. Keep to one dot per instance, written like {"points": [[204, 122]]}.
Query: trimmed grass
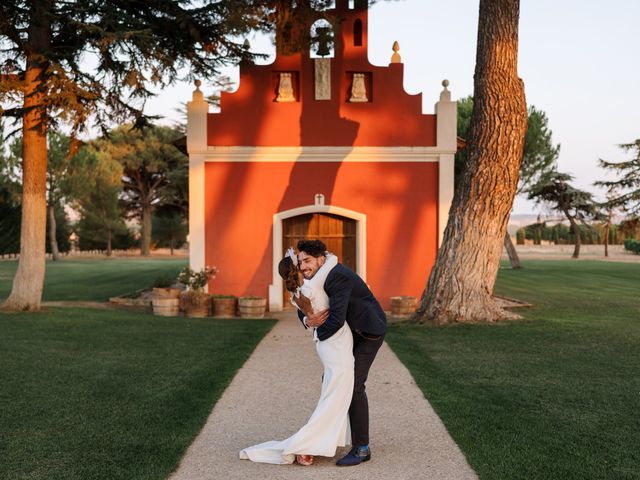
{"points": [[92, 394], [95, 279], [553, 396]]}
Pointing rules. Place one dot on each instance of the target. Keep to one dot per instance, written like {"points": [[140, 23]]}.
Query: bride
{"points": [[328, 426]]}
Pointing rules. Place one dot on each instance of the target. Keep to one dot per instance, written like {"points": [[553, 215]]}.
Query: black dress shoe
{"points": [[356, 456]]}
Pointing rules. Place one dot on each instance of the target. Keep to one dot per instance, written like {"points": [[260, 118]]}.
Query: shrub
{"points": [[196, 281], [163, 281], [632, 245]]}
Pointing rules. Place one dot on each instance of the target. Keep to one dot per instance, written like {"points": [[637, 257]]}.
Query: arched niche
{"points": [[322, 40], [357, 33]]}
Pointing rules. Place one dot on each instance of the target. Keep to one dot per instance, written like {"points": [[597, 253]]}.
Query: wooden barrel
{"points": [[195, 304], [225, 307], [403, 305], [252, 307], [166, 292], [166, 307]]}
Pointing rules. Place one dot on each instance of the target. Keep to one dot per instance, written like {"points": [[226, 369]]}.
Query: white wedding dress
{"points": [[328, 427]]}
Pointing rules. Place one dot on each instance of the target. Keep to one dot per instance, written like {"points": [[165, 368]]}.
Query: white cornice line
{"points": [[324, 154]]}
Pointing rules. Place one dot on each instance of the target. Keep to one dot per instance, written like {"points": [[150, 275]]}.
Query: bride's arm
{"points": [[304, 304]]}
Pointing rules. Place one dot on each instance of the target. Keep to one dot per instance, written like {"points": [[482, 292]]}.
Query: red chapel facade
{"points": [[330, 148]]}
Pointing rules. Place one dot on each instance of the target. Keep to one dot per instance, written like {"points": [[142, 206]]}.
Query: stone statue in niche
{"points": [[358, 89], [285, 88]]}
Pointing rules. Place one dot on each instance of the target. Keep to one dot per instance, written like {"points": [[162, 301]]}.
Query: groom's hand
{"points": [[317, 319]]}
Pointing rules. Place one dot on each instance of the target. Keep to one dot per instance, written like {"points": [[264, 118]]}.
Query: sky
{"points": [[578, 60]]}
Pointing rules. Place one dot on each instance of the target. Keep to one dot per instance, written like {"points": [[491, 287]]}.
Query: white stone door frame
{"points": [[275, 289]]}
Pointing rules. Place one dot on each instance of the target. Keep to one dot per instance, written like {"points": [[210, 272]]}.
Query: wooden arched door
{"points": [[338, 234]]}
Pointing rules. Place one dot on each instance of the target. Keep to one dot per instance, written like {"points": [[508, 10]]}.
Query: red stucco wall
{"points": [[399, 199]]}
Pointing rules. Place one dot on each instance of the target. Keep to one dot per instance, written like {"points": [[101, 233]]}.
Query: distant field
{"points": [[617, 253], [96, 279]]}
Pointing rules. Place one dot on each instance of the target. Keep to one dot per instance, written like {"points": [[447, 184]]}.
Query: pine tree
{"points": [[629, 182], [461, 282], [43, 45]]}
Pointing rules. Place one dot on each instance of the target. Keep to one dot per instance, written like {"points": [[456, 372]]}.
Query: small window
{"points": [[357, 33]]}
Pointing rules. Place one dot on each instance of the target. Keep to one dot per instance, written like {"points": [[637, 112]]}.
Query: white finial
{"points": [[395, 58], [445, 95], [198, 96]]}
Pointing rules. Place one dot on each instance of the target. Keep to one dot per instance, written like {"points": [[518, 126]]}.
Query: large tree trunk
{"points": [[461, 283], [511, 251], [26, 292], [145, 237], [53, 243]]}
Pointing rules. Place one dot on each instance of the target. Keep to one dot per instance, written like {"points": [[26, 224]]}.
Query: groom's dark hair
{"points": [[315, 248]]}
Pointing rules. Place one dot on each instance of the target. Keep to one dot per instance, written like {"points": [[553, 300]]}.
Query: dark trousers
{"points": [[365, 348]]}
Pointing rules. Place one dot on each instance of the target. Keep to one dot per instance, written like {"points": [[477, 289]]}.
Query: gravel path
{"points": [[276, 390]]}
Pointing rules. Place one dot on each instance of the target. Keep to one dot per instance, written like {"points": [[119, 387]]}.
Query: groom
{"points": [[351, 301]]}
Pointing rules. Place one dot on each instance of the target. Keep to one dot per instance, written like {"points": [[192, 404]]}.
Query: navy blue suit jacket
{"points": [[351, 301]]}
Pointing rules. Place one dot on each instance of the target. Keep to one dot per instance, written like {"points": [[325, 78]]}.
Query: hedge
{"points": [[632, 245]]}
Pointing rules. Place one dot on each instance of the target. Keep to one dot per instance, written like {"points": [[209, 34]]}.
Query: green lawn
{"points": [[92, 394], [553, 396], [95, 279]]}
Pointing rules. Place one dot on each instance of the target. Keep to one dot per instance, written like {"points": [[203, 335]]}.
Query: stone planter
{"points": [[224, 306], [403, 306], [166, 302], [252, 307], [195, 304]]}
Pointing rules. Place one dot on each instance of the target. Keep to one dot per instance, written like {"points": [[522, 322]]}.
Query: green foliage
{"points": [[135, 48], [163, 281], [555, 189], [58, 186], [539, 156], [96, 185], [630, 228], [92, 235], [154, 171], [169, 230], [10, 219], [632, 246], [196, 281], [520, 236], [465, 108], [628, 183], [561, 234]]}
